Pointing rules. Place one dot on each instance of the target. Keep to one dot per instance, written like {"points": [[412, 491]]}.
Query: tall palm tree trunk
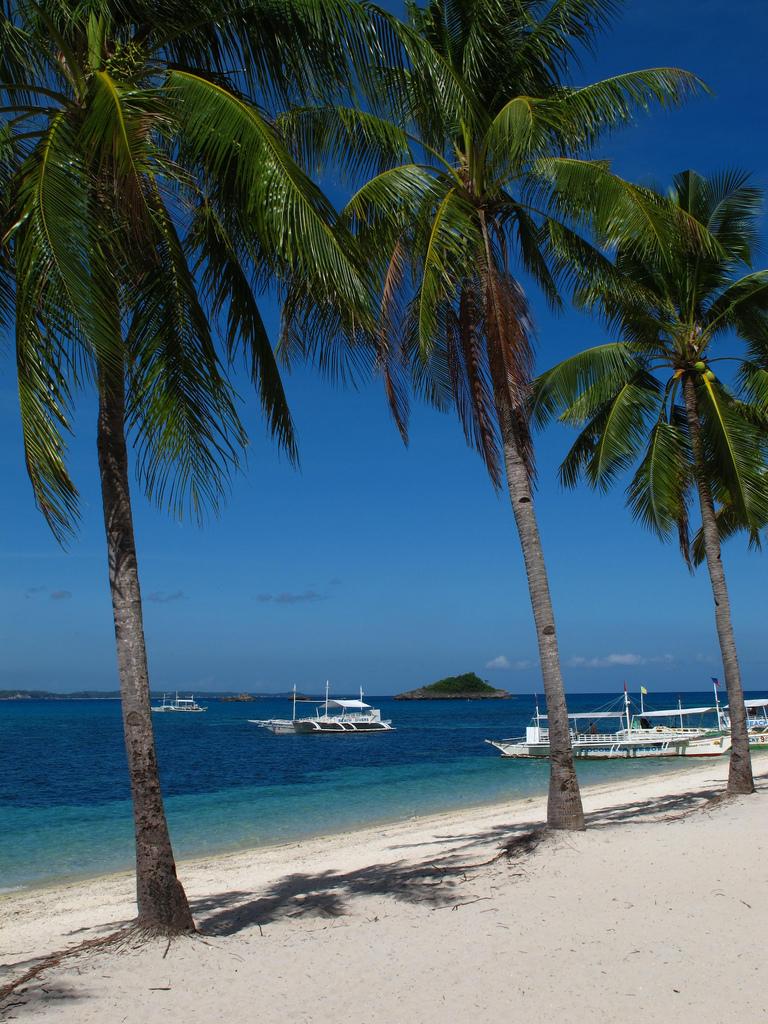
{"points": [[162, 903], [564, 809], [740, 778]]}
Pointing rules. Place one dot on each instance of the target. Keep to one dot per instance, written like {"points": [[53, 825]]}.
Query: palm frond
{"points": [[58, 224], [449, 256], [223, 267], [352, 141], [44, 403], [738, 448], [659, 494], [233, 144], [598, 372], [728, 525], [180, 408]]}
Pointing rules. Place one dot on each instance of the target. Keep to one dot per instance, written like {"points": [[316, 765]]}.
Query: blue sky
{"points": [[390, 567]]}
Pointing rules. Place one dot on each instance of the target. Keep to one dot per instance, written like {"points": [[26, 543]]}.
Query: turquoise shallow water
{"points": [[64, 793]]}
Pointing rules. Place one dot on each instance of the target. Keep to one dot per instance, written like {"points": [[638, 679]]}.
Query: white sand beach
{"points": [[658, 910]]}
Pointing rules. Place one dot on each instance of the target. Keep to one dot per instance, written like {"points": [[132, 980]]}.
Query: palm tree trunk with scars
{"points": [[564, 808], [740, 778], [162, 903]]}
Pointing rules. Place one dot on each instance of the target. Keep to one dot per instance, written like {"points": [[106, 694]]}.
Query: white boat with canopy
{"points": [[182, 704], [636, 736], [332, 717], [757, 721]]}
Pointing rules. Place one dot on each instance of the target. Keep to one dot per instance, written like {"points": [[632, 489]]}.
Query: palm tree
{"points": [[146, 199], [653, 398], [474, 150]]}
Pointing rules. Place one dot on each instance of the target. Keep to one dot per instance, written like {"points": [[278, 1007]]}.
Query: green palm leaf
{"points": [[44, 401], [659, 493], [739, 450], [236, 146], [591, 378], [450, 255], [226, 280]]}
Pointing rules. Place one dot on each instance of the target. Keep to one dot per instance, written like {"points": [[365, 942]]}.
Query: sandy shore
{"points": [[653, 912]]}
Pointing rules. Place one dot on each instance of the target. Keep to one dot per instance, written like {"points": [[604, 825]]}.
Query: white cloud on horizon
{"points": [[503, 662], [617, 660]]}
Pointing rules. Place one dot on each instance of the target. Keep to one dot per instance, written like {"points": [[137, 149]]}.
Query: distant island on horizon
{"points": [[468, 686]]}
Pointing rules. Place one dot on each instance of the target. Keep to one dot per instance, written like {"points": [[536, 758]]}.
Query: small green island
{"points": [[468, 686]]}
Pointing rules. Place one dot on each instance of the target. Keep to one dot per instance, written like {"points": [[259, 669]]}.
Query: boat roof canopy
{"points": [[675, 712], [761, 702], [348, 703], [591, 715]]}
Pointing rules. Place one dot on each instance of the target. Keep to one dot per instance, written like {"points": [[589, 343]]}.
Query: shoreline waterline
{"points": [[374, 829]]}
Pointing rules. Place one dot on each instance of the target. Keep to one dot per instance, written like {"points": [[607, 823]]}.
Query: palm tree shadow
{"points": [[42, 996], [435, 882], [324, 894]]}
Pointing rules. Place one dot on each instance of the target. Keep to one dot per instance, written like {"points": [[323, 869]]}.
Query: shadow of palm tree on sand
{"points": [[435, 882]]}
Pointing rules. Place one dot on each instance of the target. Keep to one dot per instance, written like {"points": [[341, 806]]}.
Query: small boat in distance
{"points": [[188, 705], [351, 716]]}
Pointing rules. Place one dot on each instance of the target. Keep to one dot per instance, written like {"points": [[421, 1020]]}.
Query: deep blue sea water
{"points": [[64, 798]]}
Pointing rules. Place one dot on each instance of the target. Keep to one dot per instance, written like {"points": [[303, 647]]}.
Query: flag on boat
{"points": [[643, 691]]}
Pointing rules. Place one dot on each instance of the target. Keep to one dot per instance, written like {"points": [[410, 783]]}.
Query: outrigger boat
{"points": [[757, 721], [637, 736], [183, 704], [351, 716]]}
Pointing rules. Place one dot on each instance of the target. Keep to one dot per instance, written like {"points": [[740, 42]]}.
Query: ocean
{"points": [[64, 796]]}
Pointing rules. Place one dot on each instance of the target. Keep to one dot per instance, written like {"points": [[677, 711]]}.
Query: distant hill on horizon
{"points": [[468, 686]]}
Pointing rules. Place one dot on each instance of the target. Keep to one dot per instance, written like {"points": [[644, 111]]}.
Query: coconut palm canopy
{"points": [[475, 172], [145, 200], [677, 311]]}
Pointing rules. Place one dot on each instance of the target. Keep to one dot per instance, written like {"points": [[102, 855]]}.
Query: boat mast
{"points": [[717, 705], [293, 719], [327, 684], [626, 708], [680, 709]]}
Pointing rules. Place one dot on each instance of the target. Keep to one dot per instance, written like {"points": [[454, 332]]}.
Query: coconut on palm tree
{"points": [[665, 396], [146, 200], [474, 149]]}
